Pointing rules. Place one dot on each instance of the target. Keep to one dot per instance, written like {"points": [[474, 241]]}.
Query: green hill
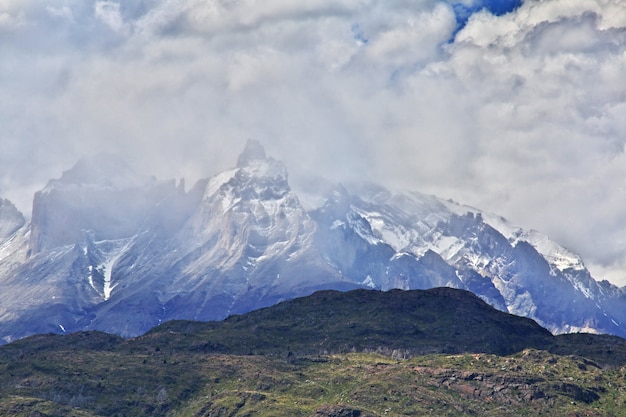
{"points": [[360, 353]]}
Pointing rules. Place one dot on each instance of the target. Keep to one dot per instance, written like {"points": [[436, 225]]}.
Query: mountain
{"points": [[438, 320], [441, 351], [108, 249], [10, 219]]}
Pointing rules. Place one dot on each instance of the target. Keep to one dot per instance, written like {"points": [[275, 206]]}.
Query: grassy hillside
{"points": [[440, 320], [437, 352]]}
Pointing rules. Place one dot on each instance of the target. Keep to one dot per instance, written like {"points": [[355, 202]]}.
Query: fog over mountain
{"points": [[515, 107], [107, 249]]}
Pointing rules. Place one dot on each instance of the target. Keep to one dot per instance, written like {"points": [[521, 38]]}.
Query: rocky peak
{"points": [[258, 176], [253, 152], [101, 170], [101, 194]]}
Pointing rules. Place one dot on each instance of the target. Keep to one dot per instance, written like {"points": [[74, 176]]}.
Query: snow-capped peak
{"points": [[554, 253], [255, 173], [242, 240], [557, 255]]}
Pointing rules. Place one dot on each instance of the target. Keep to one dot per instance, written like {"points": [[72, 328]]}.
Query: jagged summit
{"points": [[101, 194], [253, 152], [103, 169], [106, 252], [258, 175]]}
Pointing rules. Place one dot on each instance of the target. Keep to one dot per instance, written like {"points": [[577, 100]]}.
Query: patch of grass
{"points": [[531, 382]]}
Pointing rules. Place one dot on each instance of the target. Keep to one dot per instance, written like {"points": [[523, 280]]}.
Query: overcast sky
{"points": [[521, 114]]}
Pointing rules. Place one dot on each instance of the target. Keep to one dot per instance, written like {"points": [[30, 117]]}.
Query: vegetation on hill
{"points": [[362, 353]]}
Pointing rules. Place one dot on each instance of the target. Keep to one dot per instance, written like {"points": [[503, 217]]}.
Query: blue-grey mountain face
{"points": [[109, 250], [10, 219]]}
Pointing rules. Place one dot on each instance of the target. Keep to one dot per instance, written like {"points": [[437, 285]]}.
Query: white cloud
{"points": [[412, 38], [522, 114], [549, 82], [62, 12], [11, 16], [109, 13]]}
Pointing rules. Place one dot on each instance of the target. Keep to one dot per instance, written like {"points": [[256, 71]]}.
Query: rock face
{"points": [[110, 250], [101, 195], [10, 219]]}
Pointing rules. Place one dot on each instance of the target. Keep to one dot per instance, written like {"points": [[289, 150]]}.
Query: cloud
{"points": [[547, 83], [520, 114], [109, 13], [62, 12], [9, 21]]}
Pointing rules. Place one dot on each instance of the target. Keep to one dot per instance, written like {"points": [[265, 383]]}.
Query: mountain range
{"points": [[107, 249]]}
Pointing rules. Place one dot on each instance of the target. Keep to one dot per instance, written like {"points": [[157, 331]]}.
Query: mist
{"points": [[520, 113]]}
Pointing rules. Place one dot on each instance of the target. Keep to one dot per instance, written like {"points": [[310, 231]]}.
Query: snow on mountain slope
{"points": [[102, 258], [558, 256], [13, 253], [489, 246], [14, 237], [117, 252], [555, 254], [247, 243], [249, 215]]}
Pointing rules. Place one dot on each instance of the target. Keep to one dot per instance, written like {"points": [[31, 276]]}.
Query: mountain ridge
{"points": [[123, 257], [439, 320]]}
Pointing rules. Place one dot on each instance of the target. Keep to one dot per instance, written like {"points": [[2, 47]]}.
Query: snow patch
{"points": [[119, 248], [90, 276], [368, 282], [357, 223], [394, 235], [399, 255], [108, 272], [554, 253], [216, 182], [337, 224]]}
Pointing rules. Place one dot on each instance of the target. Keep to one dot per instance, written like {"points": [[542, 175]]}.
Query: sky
{"points": [[516, 107]]}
